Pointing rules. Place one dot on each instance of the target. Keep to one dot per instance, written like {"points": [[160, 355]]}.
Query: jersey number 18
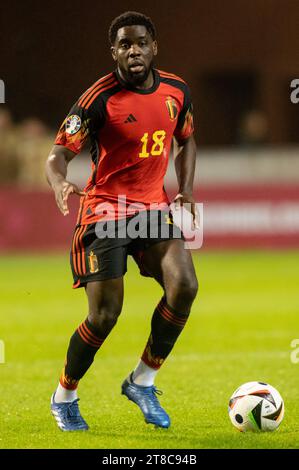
{"points": [[157, 147]]}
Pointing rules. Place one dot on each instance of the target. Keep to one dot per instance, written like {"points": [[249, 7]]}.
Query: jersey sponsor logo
{"points": [[73, 124], [171, 108], [130, 118]]}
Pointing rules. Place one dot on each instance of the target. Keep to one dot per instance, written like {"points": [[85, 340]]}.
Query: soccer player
{"points": [[129, 118]]}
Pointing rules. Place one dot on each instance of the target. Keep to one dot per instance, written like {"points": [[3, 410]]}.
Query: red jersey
{"points": [[130, 132]]}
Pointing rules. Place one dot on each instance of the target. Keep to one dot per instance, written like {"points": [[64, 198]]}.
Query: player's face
{"points": [[134, 51]]}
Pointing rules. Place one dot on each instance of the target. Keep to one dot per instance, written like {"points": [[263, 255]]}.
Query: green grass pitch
{"points": [[241, 327]]}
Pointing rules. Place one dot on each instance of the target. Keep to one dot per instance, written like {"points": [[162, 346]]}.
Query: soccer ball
{"points": [[256, 406]]}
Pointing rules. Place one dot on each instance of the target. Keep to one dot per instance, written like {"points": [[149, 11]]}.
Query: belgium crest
{"points": [[93, 262], [171, 108]]}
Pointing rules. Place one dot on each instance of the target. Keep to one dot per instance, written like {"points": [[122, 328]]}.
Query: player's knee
{"points": [[104, 317], [184, 286], [188, 288], [109, 319]]}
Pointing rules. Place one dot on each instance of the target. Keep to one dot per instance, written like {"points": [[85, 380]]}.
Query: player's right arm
{"points": [[56, 171], [80, 125]]}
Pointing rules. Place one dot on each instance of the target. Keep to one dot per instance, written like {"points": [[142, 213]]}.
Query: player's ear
{"points": [[155, 47], [113, 52]]}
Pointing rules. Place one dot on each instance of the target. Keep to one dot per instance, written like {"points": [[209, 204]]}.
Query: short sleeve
{"points": [[79, 124], [185, 126]]}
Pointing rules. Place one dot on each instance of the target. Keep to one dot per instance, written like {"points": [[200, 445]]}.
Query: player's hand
{"points": [[62, 192], [183, 198]]}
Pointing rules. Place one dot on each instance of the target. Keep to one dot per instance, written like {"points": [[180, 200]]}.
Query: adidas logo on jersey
{"points": [[130, 118]]}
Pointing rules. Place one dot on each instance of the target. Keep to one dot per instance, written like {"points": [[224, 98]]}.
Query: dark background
{"points": [[236, 55]]}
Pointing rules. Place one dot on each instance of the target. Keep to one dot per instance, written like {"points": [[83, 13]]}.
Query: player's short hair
{"points": [[130, 18]]}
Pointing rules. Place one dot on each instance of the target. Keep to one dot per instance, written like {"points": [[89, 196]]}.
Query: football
{"points": [[256, 406]]}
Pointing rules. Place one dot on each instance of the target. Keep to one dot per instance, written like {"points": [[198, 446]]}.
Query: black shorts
{"points": [[100, 250]]}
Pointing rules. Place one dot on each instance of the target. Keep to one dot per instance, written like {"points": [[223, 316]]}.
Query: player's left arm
{"points": [[185, 162], [185, 159]]}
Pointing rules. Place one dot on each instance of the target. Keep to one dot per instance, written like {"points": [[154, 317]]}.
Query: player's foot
{"points": [[146, 399], [67, 415]]}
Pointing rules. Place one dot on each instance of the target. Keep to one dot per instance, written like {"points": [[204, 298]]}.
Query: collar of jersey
{"points": [[147, 91]]}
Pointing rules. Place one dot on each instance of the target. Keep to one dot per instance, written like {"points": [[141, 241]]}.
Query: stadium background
{"points": [[239, 58]]}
